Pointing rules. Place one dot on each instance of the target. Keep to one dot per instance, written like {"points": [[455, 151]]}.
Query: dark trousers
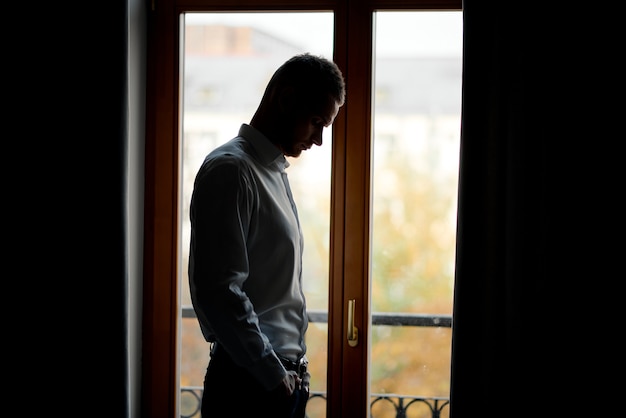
{"points": [[231, 391]]}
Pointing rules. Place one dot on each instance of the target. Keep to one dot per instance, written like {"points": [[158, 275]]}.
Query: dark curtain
{"points": [[531, 213]]}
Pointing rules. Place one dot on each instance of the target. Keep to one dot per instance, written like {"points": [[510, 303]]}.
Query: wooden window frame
{"points": [[161, 308]]}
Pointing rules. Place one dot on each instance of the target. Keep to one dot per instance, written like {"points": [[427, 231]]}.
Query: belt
{"points": [[299, 366]]}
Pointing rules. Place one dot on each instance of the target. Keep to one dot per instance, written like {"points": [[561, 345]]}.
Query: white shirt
{"points": [[245, 263]]}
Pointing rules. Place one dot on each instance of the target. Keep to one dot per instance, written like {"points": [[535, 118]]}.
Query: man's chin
{"points": [[294, 153]]}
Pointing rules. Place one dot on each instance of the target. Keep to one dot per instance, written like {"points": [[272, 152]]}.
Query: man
{"points": [[245, 265]]}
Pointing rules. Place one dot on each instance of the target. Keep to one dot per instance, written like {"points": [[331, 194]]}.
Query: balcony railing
{"points": [[191, 396]]}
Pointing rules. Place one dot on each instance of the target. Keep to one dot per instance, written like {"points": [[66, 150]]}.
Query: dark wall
{"points": [[71, 74]]}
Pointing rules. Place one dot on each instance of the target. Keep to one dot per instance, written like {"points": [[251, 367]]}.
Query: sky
{"points": [[430, 33]]}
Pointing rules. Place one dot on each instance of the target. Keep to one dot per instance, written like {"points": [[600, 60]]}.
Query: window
{"points": [[398, 131]]}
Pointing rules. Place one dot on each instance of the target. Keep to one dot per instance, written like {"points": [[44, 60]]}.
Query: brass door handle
{"points": [[353, 332]]}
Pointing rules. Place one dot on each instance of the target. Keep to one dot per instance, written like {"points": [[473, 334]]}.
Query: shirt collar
{"points": [[268, 152]]}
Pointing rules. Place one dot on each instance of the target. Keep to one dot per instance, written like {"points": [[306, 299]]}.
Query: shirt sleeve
{"points": [[222, 206]]}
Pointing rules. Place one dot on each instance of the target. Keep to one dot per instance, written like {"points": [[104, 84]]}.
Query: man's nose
{"points": [[318, 139]]}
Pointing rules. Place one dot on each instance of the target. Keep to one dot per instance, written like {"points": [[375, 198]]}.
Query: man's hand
{"points": [[306, 381], [291, 382]]}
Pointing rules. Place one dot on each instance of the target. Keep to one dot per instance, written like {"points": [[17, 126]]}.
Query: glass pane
{"points": [[227, 61], [416, 128]]}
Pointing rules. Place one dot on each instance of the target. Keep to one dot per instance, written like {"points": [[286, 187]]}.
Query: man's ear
{"points": [[287, 99]]}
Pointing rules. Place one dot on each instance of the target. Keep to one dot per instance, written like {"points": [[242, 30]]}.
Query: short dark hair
{"points": [[311, 74]]}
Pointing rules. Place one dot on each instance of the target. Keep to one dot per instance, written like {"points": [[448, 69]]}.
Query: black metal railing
{"points": [[191, 396]]}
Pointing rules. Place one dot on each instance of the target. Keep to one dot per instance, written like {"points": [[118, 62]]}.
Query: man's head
{"points": [[301, 99]]}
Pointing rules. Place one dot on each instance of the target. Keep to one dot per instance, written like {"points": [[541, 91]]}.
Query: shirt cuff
{"points": [[269, 371]]}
